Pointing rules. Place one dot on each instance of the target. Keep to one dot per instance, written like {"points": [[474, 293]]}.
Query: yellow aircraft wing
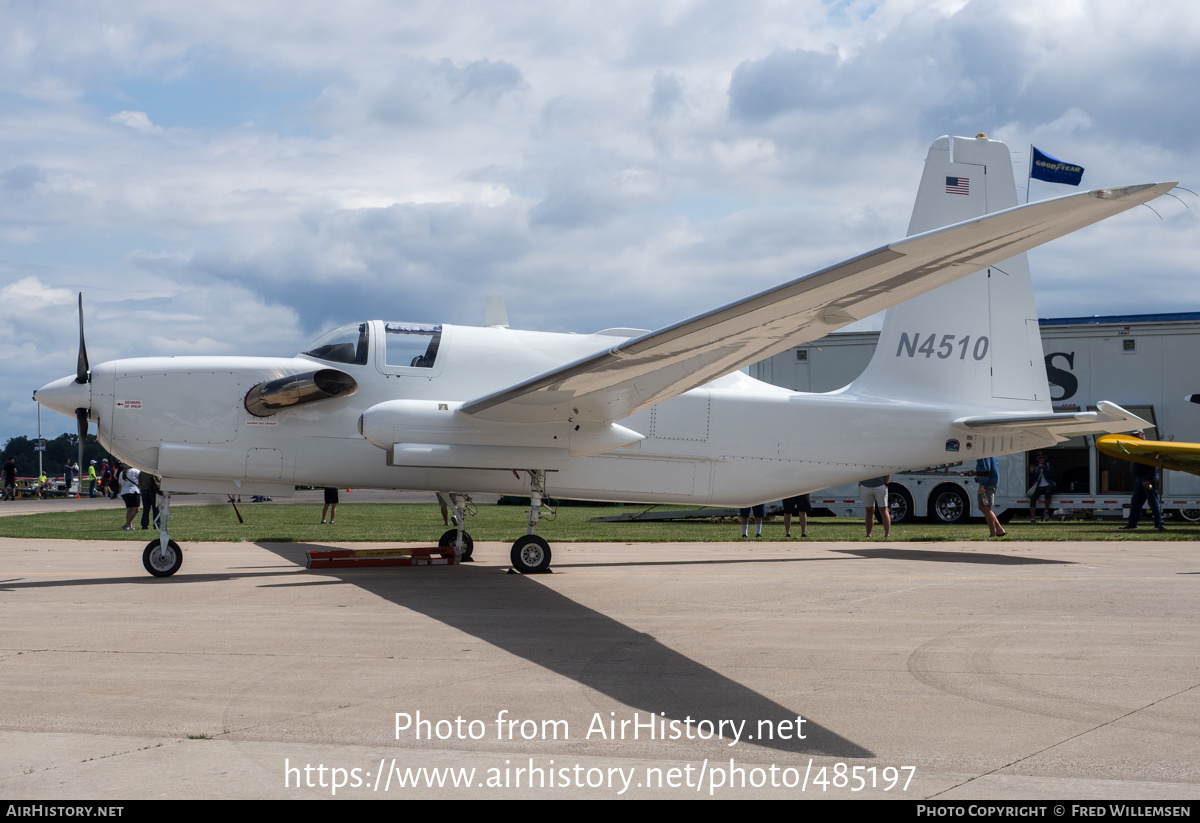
{"points": [[1180, 457]]}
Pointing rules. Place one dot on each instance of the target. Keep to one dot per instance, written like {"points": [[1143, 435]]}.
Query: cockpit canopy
{"points": [[407, 345], [347, 344]]}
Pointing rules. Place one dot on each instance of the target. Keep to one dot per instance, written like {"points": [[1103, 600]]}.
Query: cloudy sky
{"points": [[233, 178]]}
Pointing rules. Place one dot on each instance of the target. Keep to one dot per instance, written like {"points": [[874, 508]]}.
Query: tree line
{"points": [[57, 452]]}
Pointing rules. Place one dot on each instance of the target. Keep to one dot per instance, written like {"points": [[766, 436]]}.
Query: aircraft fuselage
{"points": [[734, 441]]}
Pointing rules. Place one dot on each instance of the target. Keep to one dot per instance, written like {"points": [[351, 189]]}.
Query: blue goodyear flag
{"points": [[1053, 170]]}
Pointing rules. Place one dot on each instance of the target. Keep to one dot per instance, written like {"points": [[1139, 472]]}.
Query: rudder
{"points": [[974, 342]]}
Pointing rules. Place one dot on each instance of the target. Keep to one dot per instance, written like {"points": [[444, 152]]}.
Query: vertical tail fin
{"points": [[974, 342]]}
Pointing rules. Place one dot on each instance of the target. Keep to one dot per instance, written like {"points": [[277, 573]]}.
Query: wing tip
{"points": [[1122, 192]]}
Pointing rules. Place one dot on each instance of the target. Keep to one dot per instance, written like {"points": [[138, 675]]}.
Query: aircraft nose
{"points": [[65, 395]]}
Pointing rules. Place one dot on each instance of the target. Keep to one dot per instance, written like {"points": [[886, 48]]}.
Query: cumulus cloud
{"points": [[136, 120]]}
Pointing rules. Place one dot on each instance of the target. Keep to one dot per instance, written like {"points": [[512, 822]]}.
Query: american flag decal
{"points": [[958, 185]]}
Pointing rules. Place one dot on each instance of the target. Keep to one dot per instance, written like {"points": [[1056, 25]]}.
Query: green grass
{"points": [[378, 522]]}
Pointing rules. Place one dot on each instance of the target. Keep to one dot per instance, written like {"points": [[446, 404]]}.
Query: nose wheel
{"points": [[160, 561], [162, 557]]}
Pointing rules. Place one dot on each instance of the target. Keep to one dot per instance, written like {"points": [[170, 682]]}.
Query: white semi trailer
{"points": [[1145, 363]]}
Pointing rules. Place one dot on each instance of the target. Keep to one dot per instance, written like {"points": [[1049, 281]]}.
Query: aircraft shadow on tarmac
{"points": [[951, 557], [518, 614]]}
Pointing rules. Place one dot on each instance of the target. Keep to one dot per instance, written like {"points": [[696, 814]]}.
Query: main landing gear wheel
{"points": [[530, 555], [162, 563], [447, 541]]}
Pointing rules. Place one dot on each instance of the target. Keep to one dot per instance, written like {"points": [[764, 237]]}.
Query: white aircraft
{"points": [[626, 415]]}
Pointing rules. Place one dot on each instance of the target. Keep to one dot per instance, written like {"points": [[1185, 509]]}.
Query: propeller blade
{"points": [[81, 373], [81, 417]]}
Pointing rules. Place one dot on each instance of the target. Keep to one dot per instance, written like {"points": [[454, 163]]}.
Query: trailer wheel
{"points": [[1191, 515], [900, 504], [949, 504]]}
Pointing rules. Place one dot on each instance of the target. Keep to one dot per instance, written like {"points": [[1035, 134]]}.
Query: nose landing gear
{"points": [[162, 556]]}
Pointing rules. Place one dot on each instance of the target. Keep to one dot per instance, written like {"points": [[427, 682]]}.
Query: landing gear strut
{"points": [[531, 554], [162, 557], [457, 537]]}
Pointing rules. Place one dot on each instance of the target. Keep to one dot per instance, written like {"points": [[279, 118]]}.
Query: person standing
{"points": [[987, 470], [130, 493], [331, 501], [106, 478], [874, 496], [10, 479], [1145, 490], [799, 506], [92, 479], [68, 476], [148, 488], [744, 515], [1041, 484]]}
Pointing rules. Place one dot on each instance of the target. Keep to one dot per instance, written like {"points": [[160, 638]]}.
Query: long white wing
{"points": [[652, 368]]}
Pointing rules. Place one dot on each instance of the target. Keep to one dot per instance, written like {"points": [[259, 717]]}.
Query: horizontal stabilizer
{"points": [[1109, 417], [647, 370]]}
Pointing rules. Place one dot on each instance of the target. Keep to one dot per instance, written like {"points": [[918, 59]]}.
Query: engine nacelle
{"points": [[403, 427]]}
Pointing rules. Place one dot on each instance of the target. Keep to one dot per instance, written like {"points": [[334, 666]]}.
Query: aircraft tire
{"points": [[447, 541], [530, 555], [160, 564]]}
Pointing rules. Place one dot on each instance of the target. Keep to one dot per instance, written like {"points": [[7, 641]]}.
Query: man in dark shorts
{"points": [[799, 506], [744, 515], [331, 501]]}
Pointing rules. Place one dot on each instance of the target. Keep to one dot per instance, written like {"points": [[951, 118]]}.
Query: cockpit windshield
{"points": [[412, 344], [347, 344]]}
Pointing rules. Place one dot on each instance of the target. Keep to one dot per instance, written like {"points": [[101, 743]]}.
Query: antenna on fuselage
{"points": [[495, 316]]}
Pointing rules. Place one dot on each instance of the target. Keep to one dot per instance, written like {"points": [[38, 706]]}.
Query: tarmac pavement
{"points": [[940, 670]]}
